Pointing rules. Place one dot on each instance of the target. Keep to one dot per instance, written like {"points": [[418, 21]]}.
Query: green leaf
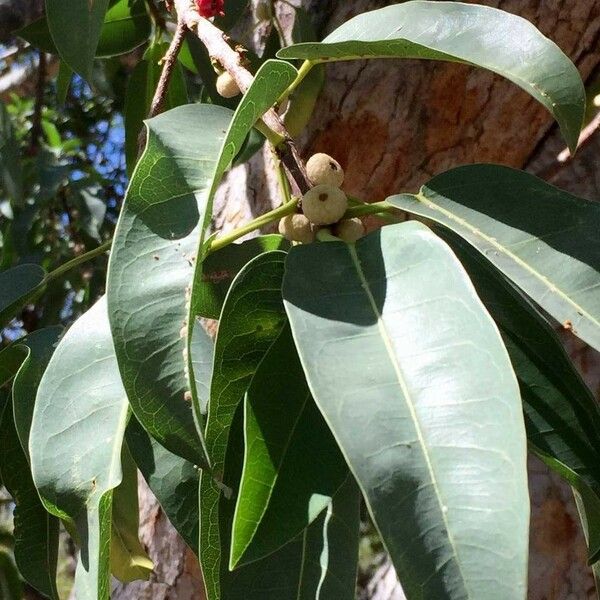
{"points": [[17, 287], [292, 465], [128, 559], [92, 208], [11, 177], [75, 442], [320, 563], [411, 375], [151, 265], [561, 414], [540, 237], [76, 45], [36, 532], [40, 347], [140, 92], [126, 26], [220, 268], [63, 81], [476, 35], [251, 320], [172, 479], [11, 358], [588, 506]]}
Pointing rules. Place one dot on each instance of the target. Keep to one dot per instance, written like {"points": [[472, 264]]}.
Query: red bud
{"points": [[210, 8]]}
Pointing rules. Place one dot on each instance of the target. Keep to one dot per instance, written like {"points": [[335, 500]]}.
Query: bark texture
{"points": [[394, 124]]}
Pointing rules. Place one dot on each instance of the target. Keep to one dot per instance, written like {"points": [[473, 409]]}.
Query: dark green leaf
{"points": [[151, 265], [251, 320], [11, 177], [412, 378], [477, 35], [91, 207], [220, 268], [540, 237], [292, 465], [75, 442], [36, 532], [11, 359], [11, 587], [172, 479], [76, 45], [17, 287], [128, 559]]}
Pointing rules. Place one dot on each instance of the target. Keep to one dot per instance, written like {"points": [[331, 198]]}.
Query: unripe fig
{"points": [[324, 204], [297, 228], [349, 230], [322, 169], [226, 85]]}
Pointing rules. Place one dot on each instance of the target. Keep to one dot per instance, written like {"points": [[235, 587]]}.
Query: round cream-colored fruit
{"points": [[226, 85], [324, 204], [297, 228], [350, 230], [322, 169]]}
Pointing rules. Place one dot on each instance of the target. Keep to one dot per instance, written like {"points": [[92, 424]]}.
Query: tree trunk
{"points": [[394, 124]]}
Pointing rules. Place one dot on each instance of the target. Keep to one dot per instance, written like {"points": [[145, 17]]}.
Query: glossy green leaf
{"points": [[128, 559], [292, 465], [172, 479], [251, 320], [542, 238], [76, 45], [40, 347], [18, 286], [412, 377], [36, 531], [561, 414], [202, 350], [140, 92], [318, 564], [126, 25], [11, 177], [75, 442], [220, 268], [151, 265], [476, 35]]}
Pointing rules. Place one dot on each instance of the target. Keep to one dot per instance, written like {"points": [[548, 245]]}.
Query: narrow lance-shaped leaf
{"points": [[411, 375], [128, 559], [35, 531], [252, 319], [459, 32], [542, 238], [292, 464], [75, 442], [76, 45]]}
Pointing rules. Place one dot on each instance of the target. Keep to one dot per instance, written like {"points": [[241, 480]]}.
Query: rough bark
{"points": [[393, 124]]}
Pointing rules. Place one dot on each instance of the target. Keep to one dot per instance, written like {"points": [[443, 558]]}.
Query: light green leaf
{"points": [[18, 286], [36, 532], [411, 375], [75, 442], [292, 465], [76, 45], [140, 92], [220, 268], [542, 238], [476, 35], [172, 479], [128, 559], [151, 265], [251, 320]]}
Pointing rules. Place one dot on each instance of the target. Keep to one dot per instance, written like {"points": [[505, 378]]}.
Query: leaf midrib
{"points": [[551, 287], [409, 403]]}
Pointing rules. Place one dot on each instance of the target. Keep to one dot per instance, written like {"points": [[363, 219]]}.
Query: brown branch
{"points": [[218, 48], [162, 89], [36, 123]]}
